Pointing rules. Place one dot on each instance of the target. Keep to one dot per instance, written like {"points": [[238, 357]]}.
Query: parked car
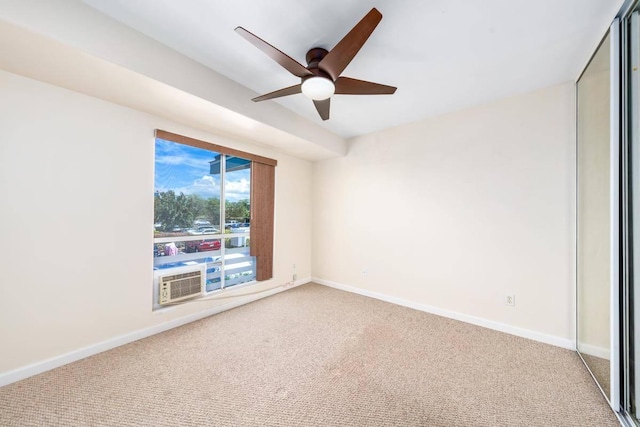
{"points": [[203, 230], [208, 230], [202, 246], [209, 245], [237, 225]]}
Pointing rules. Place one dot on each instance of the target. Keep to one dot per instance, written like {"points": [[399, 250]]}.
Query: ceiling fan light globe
{"points": [[318, 88]]}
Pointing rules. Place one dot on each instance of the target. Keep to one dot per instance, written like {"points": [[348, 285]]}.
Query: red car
{"points": [[202, 246]]}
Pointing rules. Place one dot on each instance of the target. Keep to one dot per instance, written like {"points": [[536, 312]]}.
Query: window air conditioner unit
{"points": [[180, 283]]}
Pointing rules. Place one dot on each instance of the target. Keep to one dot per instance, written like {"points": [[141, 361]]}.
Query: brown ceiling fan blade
{"points": [[291, 90], [349, 86], [287, 62], [323, 108], [341, 55]]}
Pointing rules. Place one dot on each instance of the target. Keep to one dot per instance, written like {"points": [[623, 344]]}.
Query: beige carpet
{"points": [[315, 356], [600, 369]]}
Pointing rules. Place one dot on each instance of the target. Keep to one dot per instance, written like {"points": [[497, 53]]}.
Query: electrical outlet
{"points": [[510, 300], [364, 273]]}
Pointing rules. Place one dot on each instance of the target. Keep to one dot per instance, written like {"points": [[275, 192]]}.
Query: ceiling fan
{"points": [[321, 77]]}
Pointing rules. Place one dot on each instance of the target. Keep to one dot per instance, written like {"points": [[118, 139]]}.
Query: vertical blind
{"points": [[262, 195]]}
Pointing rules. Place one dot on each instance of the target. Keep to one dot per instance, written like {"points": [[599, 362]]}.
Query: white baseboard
{"points": [[497, 326], [54, 362], [593, 350]]}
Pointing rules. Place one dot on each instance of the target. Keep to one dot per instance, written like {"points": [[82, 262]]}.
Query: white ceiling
{"points": [[443, 55]]}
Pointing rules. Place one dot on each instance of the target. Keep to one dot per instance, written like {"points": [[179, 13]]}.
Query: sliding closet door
{"points": [[633, 81], [597, 219]]}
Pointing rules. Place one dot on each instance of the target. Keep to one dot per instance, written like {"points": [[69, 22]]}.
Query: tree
{"points": [[212, 210], [238, 211], [174, 211], [200, 204]]}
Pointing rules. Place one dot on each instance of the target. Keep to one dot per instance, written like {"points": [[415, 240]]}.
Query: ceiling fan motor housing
{"points": [[314, 56]]}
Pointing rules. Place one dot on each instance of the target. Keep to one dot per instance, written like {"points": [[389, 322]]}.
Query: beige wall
{"points": [[452, 212], [457, 211], [76, 181]]}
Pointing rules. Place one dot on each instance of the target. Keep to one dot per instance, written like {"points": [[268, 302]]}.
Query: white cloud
{"points": [[180, 160], [207, 186], [237, 190], [206, 182], [242, 186]]}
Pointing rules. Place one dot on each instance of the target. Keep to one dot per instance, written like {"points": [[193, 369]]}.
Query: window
{"points": [[213, 211]]}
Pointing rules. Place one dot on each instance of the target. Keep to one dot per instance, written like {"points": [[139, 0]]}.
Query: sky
{"points": [[185, 169]]}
